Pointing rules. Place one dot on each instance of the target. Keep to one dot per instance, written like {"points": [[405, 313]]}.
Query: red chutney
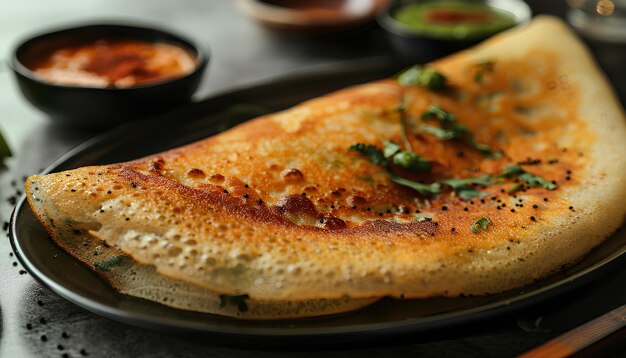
{"points": [[111, 63]]}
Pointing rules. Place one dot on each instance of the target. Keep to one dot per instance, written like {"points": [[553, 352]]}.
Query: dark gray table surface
{"points": [[35, 322]]}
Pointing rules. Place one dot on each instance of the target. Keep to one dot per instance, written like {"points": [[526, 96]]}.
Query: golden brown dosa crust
{"points": [[280, 209]]}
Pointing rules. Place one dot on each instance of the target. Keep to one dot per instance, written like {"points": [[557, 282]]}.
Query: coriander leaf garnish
{"points": [[424, 189], [481, 68], [436, 112], [511, 170], [5, 150], [411, 161], [422, 218], [443, 134], [529, 179], [451, 129], [482, 223], [484, 149], [426, 77], [371, 151], [406, 160], [463, 189], [415, 163], [514, 188], [468, 193], [239, 300], [390, 148], [481, 180]]}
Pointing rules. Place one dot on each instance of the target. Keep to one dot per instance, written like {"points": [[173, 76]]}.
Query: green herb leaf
{"points": [[534, 180], [450, 129], [482, 67], [444, 134], [239, 300], [411, 161], [424, 189], [482, 223], [484, 149], [511, 170], [422, 218], [482, 180], [377, 156], [390, 148], [426, 77], [515, 188], [371, 151], [468, 193], [529, 179], [436, 112], [5, 150], [463, 189]]}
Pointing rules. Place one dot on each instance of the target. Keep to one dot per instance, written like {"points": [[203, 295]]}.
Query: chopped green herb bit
{"points": [[371, 151], [436, 112], [515, 188], [390, 148], [458, 131], [5, 150], [484, 149], [239, 300], [108, 265], [529, 179], [424, 189], [422, 218], [482, 180], [468, 193], [406, 160], [426, 77], [450, 129], [511, 170], [377, 156], [482, 223], [534, 180], [463, 189], [481, 68], [411, 161]]}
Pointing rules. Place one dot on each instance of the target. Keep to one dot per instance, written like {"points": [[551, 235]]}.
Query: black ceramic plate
{"points": [[70, 279]]}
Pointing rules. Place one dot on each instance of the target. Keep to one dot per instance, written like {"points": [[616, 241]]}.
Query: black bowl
{"points": [[414, 47], [99, 108]]}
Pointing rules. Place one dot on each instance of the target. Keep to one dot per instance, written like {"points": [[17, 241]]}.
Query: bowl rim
{"points": [[202, 52], [395, 27], [284, 15]]}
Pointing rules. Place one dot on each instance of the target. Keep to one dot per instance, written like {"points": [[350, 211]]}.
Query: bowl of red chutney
{"points": [[100, 75]]}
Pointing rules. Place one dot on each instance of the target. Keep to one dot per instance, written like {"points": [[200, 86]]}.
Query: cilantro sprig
{"points": [[418, 164], [449, 128], [527, 178], [463, 187], [482, 68], [423, 76]]}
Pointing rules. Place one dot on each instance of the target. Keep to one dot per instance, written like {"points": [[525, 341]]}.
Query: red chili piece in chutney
{"points": [[456, 16], [111, 63]]}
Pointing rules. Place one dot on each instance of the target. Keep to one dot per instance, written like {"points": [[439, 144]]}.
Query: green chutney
{"points": [[453, 20]]}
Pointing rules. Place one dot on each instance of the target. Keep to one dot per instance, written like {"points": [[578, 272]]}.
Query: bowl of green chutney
{"points": [[422, 30]]}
